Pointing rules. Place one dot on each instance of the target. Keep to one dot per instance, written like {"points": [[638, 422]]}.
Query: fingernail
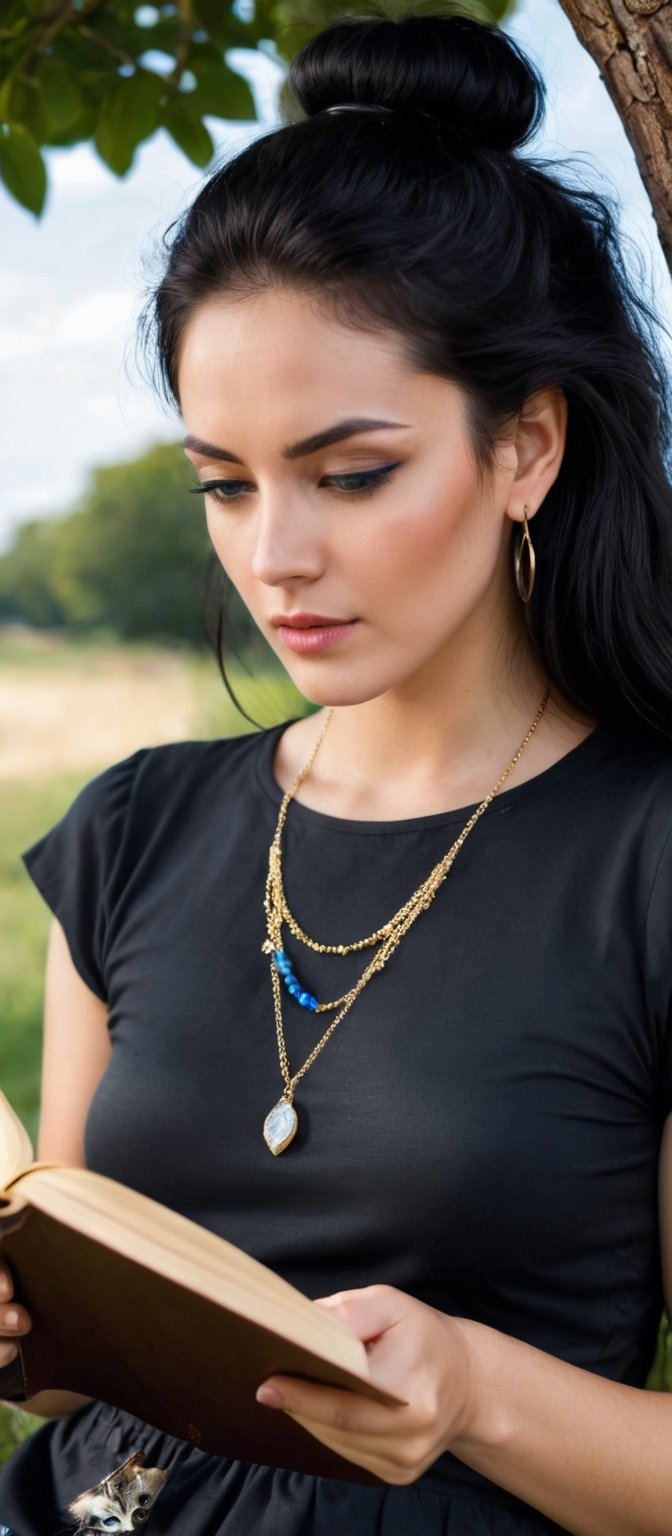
{"points": [[270, 1397], [11, 1318]]}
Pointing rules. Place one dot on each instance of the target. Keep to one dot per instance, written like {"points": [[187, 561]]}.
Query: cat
{"points": [[121, 1501]]}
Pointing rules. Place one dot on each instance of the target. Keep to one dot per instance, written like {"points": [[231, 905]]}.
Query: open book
{"points": [[136, 1306]]}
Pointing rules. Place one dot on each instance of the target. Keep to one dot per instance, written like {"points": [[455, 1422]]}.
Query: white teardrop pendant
{"points": [[280, 1127]]}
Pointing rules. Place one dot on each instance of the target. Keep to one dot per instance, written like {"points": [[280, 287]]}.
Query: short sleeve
{"points": [[658, 973], [73, 866]]}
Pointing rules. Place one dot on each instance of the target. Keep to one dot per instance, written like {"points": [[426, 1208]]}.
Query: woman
{"points": [[429, 430]]}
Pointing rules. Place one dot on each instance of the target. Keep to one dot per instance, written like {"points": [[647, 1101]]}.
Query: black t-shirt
{"points": [[483, 1129]]}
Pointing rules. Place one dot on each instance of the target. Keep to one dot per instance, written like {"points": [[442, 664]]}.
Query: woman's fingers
{"points": [[418, 1354], [13, 1317], [368, 1312], [14, 1321], [327, 1406]]}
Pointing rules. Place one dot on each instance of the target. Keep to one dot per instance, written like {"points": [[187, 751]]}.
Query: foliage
{"points": [[15, 1427], [130, 560], [114, 72]]}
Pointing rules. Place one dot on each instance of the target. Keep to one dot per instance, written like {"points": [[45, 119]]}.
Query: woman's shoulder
{"points": [[170, 770], [152, 789]]}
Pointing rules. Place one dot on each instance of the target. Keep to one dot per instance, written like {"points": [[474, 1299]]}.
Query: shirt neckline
{"points": [[548, 777]]}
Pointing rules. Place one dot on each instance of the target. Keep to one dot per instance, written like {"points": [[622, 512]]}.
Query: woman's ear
{"points": [[539, 444]]}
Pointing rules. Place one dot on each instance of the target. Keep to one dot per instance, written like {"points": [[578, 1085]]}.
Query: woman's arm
{"points": [[592, 1454], [75, 1055]]}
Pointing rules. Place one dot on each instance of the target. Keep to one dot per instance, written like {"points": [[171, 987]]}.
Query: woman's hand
{"points": [[415, 1352], [14, 1320]]}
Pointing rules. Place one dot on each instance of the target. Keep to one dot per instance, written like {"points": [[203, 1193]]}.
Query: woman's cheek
{"points": [[228, 543]]}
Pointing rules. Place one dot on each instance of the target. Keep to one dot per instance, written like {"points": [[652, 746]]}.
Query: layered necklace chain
{"points": [[281, 1124]]}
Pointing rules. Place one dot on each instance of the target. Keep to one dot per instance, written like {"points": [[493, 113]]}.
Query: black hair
{"points": [[498, 276]]}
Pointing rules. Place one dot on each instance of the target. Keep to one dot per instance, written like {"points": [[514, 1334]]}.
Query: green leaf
{"points": [[17, 26], [61, 94], [129, 114], [83, 128], [5, 93], [221, 92], [186, 128], [22, 168], [224, 27], [27, 107]]}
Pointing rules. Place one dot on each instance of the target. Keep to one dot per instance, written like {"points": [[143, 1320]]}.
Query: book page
{"points": [[16, 1152], [129, 1223]]}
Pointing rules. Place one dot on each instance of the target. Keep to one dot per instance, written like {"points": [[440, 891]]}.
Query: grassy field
{"points": [[71, 710]]}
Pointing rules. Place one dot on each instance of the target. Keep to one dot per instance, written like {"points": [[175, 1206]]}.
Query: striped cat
{"points": [[121, 1501]]}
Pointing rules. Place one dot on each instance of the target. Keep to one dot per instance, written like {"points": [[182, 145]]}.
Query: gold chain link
{"points": [[389, 936]]}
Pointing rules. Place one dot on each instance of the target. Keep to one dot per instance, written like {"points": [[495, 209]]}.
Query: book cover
{"points": [[135, 1305]]}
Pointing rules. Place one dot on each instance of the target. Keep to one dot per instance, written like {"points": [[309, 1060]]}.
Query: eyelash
{"points": [[373, 479]]}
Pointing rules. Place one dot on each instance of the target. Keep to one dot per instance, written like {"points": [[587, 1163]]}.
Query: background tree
{"points": [[631, 43], [130, 560], [115, 71]]}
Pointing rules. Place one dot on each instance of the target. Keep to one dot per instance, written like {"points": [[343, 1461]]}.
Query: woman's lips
{"points": [[314, 637]]}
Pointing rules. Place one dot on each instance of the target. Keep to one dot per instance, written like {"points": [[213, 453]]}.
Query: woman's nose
{"points": [[287, 545]]}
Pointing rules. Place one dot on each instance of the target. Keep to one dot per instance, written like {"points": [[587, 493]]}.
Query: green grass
{"points": [[26, 811], [15, 1427]]}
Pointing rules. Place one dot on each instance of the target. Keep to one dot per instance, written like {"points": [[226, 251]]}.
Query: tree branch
{"points": [[108, 47], [631, 43]]}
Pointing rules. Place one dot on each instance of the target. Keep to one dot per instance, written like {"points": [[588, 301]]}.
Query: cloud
{"points": [[79, 170], [83, 323]]}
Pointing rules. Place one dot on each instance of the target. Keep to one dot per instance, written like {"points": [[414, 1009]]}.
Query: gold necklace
{"points": [[281, 1124]]}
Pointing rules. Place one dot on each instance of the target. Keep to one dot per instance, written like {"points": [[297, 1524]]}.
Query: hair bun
{"points": [[470, 76]]}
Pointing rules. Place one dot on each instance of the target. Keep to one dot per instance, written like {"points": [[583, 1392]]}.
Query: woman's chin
{"points": [[336, 693]]}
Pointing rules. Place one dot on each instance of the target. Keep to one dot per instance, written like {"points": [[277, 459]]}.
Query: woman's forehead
{"points": [[278, 361]]}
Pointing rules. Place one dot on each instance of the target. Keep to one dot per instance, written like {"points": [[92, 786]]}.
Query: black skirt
{"points": [[212, 1496]]}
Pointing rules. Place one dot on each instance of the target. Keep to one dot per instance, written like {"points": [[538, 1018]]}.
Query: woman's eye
{"points": [[361, 482], [222, 490], [357, 482]]}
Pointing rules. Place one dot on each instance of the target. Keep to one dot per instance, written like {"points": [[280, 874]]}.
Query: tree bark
{"points": [[631, 43]]}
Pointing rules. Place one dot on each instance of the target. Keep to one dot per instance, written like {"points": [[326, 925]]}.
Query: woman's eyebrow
{"points": [[306, 446]]}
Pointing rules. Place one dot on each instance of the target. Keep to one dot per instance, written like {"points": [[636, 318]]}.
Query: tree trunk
{"points": [[631, 43]]}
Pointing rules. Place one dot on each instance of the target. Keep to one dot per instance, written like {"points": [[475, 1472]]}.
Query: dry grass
{"points": [[75, 717], [72, 708]]}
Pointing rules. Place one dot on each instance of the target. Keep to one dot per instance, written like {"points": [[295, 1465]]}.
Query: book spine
{"points": [[12, 1214]]}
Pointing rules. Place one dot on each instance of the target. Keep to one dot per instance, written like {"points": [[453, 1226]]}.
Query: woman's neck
{"points": [[413, 752]]}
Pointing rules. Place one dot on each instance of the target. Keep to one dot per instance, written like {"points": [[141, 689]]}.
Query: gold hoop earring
{"points": [[525, 563]]}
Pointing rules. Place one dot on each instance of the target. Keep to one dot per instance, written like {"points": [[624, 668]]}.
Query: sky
{"points": [[72, 284]]}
